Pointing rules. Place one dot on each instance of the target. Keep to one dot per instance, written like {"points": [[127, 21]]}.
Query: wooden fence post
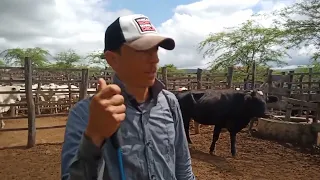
{"points": [[282, 82], [290, 82], [189, 82], [164, 74], [199, 78], [30, 103], [84, 84], [229, 77], [253, 76], [269, 80], [288, 112], [310, 84]]}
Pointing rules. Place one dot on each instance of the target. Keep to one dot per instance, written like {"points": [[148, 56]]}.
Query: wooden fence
{"points": [[303, 86], [301, 92], [84, 79]]}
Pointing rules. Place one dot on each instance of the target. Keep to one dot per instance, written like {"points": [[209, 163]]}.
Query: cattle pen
{"points": [[47, 94]]}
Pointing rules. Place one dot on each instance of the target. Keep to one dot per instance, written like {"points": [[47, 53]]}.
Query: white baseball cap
{"points": [[136, 31]]}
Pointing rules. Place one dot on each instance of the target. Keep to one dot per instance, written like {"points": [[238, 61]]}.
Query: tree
{"points": [[66, 59], [2, 63], [243, 45], [171, 69], [97, 58], [315, 67], [16, 56], [301, 22]]}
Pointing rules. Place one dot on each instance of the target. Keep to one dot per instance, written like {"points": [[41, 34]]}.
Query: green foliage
{"points": [[66, 59], [171, 69], [97, 58], [16, 56], [315, 67], [2, 63], [243, 45], [240, 73], [301, 24]]}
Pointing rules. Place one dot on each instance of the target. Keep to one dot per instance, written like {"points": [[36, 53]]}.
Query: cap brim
{"points": [[148, 42]]}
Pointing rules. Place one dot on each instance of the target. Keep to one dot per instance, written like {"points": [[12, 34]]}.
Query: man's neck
{"points": [[140, 94]]}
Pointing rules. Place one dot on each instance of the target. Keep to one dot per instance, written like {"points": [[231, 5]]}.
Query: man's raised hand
{"points": [[106, 112]]}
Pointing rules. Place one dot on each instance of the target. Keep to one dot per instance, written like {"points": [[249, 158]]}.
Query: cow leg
{"points": [[186, 127], [196, 127], [233, 143], [216, 134], [251, 125], [2, 124]]}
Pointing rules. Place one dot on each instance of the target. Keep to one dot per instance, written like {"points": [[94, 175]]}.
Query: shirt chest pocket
{"points": [[162, 129]]}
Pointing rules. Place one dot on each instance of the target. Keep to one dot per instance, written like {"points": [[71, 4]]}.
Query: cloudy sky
{"points": [[58, 25]]}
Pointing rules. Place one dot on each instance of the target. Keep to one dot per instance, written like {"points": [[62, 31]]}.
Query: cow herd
{"points": [[50, 95]]}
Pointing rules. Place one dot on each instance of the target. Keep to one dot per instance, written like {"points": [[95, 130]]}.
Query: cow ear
{"points": [[272, 99], [253, 93], [13, 89]]}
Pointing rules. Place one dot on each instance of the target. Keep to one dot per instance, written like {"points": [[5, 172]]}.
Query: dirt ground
{"points": [[257, 159]]}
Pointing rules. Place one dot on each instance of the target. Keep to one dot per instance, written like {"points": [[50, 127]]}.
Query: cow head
{"points": [[16, 97], [256, 101], [267, 98]]}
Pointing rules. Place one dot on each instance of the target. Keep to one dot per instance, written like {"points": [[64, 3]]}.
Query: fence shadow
{"points": [[219, 162]]}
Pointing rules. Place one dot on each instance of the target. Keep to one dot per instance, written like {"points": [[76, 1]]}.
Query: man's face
{"points": [[135, 68]]}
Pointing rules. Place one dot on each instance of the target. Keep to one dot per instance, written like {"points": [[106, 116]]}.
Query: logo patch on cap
{"points": [[144, 25]]}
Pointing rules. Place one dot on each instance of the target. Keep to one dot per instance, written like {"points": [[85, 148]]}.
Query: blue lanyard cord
{"points": [[116, 141], [121, 167]]}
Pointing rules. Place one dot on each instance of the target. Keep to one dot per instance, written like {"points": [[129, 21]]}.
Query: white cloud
{"points": [[58, 25], [192, 23], [55, 24]]}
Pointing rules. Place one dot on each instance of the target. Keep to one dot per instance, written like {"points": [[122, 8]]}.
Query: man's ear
{"points": [[111, 58]]}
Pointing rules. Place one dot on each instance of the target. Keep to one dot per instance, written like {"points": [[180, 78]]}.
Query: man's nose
{"points": [[154, 58]]}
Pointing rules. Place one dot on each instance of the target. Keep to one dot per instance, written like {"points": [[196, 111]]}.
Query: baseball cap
{"points": [[136, 31]]}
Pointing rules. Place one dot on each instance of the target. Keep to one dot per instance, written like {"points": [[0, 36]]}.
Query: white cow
{"points": [[8, 99], [182, 89]]}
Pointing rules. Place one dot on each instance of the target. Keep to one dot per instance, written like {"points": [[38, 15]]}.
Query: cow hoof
{"points": [[212, 153], [234, 155]]}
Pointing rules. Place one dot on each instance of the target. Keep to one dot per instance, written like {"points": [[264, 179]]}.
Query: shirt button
{"points": [[148, 143], [153, 177]]}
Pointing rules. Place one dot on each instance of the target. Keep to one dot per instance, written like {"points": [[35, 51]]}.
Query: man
{"points": [[148, 117]]}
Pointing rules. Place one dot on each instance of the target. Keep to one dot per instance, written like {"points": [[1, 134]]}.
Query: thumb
{"points": [[101, 84]]}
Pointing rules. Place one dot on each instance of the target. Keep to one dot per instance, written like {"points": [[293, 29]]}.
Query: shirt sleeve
{"points": [[183, 158], [80, 158]]}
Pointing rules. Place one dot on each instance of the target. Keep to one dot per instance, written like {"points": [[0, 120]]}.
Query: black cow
{"points": [[228, 109]]}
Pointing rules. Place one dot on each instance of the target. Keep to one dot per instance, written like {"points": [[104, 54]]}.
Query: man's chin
{"points": [[151, 82]]}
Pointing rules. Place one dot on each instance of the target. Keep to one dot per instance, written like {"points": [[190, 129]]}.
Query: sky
{"points": [[59, 25]]}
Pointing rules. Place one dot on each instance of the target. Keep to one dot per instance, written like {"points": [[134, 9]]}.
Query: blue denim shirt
{"points": [[154, 142]]}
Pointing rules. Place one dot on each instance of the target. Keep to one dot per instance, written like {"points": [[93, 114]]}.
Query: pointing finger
{"points": [[109, 91], [115, 100]]}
